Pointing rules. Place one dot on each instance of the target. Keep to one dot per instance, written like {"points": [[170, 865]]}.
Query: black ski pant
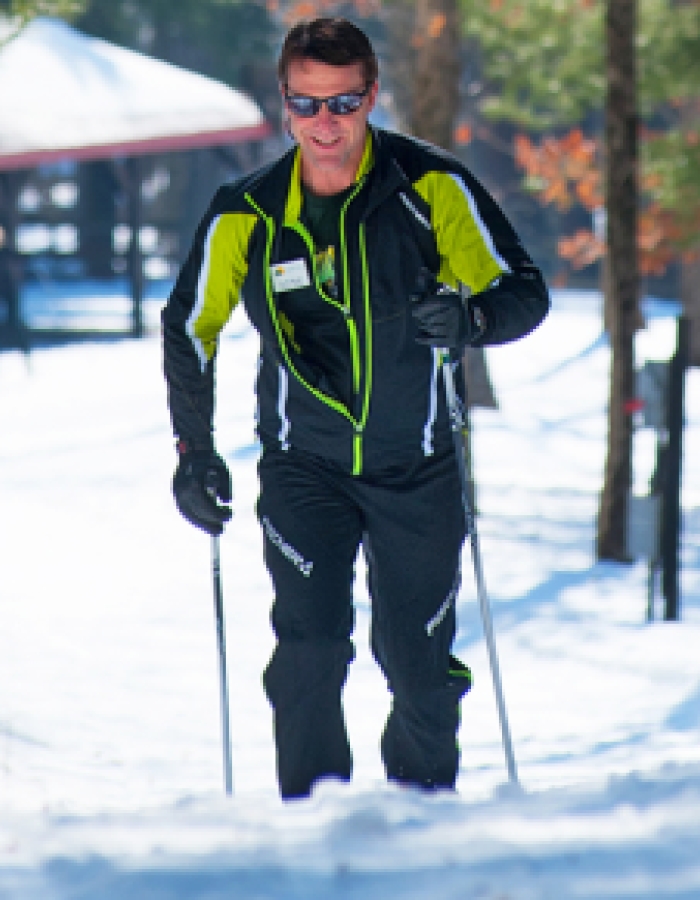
{"points": [[411, 526]]}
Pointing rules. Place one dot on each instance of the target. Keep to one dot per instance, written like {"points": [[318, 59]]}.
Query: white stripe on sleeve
{"points": [[480, 224], [201, 296]]}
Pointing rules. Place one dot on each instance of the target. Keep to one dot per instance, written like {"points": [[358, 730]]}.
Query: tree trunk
{"points": [[134, 170], [690, 295], [435, 89], [97, 217], [480, 391], [13, 332], [434, 106], [622, 274]]}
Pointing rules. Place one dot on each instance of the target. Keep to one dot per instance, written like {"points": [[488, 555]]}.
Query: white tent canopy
{"points": [[65, 94]]}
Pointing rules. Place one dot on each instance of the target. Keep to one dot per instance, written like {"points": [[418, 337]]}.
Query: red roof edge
{"points": [[32, 158]]}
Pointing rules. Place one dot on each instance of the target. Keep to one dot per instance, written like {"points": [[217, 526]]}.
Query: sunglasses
{"points": [[338, 105]]}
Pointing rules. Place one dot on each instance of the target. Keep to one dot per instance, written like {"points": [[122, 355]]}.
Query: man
{"points": [[340, 252]]}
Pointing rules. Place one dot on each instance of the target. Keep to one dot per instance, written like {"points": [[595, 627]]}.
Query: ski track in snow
{"points": [[110, 755]]}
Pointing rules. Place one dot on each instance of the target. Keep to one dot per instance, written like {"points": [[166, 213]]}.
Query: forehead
{"points": [[307, 76]]}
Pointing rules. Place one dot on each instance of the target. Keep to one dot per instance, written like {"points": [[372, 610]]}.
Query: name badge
{"points": [[288, 276]]}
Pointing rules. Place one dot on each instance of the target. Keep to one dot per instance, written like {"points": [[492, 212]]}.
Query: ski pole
{"points": [[457, 420], [221, 644]]}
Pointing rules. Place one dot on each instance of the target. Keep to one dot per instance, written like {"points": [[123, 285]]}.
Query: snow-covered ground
{"points": [[111, 781]]}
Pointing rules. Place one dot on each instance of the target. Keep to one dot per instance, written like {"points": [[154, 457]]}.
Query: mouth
{"points": [[326, 143]]}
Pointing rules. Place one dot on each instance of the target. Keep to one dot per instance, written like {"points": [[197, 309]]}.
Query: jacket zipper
{"points": [[357, 423], [343, 308], [359, 429]]}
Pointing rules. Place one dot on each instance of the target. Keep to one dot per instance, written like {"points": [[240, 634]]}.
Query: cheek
{"points": [[299, 132], [356, 131], [305, 127]]}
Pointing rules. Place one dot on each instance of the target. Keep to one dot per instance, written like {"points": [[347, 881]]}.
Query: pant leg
{"points": [[415, 532], [311, 534]]}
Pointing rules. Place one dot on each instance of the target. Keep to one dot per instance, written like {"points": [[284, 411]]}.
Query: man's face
{"points": [[331, 145]]}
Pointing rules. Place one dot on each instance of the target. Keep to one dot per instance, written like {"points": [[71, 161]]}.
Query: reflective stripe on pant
{"points": [[411, 524]]}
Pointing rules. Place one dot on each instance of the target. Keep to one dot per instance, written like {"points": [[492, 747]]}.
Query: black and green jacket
{"points": [[343, 378]]}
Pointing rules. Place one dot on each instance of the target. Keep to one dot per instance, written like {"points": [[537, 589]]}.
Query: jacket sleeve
{"points": [[514, 306], [479, 248], [205, 293]]}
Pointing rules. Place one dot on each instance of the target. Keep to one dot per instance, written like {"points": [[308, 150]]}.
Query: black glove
{"points": [[202, 478], [443, 317]]}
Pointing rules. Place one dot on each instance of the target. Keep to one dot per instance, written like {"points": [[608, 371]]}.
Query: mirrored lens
{"points": [[306, 107], [342, 104], [338, 105]]}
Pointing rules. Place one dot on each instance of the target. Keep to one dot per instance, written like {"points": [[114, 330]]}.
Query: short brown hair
{"points": [[334, 41]]}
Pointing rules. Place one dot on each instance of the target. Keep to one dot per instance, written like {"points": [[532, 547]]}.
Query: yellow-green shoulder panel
{"points": [[466, 249], [224, 268]]}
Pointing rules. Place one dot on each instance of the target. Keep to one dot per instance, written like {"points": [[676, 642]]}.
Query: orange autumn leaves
{"points": [[567, 170], [305, 9], [435, 27], [564, 171]]}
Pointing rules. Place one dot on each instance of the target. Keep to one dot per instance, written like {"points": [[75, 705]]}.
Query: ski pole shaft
{"points": [[223, 678], [454, 406]]}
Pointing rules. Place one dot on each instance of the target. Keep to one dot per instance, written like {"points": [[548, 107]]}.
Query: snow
{"points": [[111, 782], [63, 90]]}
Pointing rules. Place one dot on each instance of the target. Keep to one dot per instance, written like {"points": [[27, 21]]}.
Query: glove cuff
{"points": [[186, 446]]}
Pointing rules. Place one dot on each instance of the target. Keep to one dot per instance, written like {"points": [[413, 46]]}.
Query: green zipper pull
{"points": [[357, 449]]}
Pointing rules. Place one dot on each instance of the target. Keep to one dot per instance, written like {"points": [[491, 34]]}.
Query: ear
{"points": [[286, 120], [372, 96]]}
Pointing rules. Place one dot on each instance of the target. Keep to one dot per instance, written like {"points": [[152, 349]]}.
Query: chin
{"points": [[328, 160]]}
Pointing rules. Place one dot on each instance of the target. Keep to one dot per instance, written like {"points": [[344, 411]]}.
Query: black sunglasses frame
{"points": [[337, 104]]}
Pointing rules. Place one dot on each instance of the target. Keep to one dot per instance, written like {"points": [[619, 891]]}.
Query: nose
{"points": [[324, 115]]}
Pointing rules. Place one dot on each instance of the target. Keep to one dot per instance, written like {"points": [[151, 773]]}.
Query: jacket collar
{"points": [[377, 161], [388, 176], [292, 209]]}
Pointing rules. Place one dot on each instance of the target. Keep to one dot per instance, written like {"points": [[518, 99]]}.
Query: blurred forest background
{"points": [[516, 89], [582, 117]]}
